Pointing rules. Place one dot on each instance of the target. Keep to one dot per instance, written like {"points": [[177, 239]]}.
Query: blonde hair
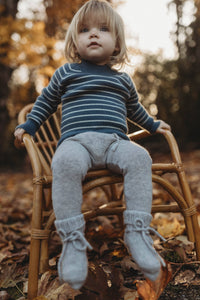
{"points": [[98, 9]]}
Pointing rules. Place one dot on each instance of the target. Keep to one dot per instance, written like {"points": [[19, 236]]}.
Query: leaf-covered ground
{"points": [[112, 273]]}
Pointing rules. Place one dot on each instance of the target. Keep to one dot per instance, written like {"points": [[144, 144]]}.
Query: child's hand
{"points": [[163, 127], [19, 134]]}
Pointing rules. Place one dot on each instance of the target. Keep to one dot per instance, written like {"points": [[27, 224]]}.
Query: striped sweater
{"points": [[93, 98]]}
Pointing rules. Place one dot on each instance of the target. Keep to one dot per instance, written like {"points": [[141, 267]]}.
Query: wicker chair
{"points": [[40, 151]]}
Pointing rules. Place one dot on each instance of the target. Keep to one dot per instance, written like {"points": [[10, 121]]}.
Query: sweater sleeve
{"points": [[136, 112], [45, 105]]}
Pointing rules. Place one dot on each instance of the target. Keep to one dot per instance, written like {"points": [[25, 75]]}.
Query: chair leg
{"points": [[189, 228], [197, 236], [33, 269], [35, 241], [44, 256], [191, 210]]}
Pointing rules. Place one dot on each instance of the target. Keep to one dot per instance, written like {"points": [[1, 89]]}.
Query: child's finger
{"points": [[19, 134]]}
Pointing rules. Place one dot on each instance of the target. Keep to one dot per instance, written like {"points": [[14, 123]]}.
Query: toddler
{"points": [[96, 101]]}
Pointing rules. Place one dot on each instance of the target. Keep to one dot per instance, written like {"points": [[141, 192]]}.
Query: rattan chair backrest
{"points": [[46, 138]]}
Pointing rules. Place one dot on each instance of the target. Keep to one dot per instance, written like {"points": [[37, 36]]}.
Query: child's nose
{"points": [[94, 32]]}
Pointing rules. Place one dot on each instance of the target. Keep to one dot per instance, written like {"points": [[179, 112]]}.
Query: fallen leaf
{"points": [[4, 295], [145, 290], [130, 295], [97, 279], [188, 246], [11, 275], [148, 290], [127, 263], [103, 248], [105, 285], [62, 292], [181, 252], [170, 228], [40, 298], [184, 277], [51, 289], [106, 224]]}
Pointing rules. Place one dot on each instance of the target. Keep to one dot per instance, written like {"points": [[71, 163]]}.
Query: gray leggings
{"points": [[76, 155]]}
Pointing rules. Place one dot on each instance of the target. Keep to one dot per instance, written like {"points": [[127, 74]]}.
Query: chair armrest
{"points": [[31, 149], [175, 153], [18, 144], [171, 141], [140, 134]]}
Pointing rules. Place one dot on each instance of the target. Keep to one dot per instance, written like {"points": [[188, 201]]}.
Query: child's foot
{"points": [[73, 262], [140, 244]]}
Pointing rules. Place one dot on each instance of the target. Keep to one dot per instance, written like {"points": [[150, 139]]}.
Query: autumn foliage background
{"points": [[31, 48]]}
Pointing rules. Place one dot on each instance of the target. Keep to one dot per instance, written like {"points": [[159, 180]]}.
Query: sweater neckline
{"points": [[95, 69]]}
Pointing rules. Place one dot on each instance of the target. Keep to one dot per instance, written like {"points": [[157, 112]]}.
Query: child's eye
{"points": [[84, 29], [104, 28]]}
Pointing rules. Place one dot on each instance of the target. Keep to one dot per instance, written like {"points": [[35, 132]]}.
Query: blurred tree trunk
{"points": [[8, 8], [174, 85], [188, 81]]}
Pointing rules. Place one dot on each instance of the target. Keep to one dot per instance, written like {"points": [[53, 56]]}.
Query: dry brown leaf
{"points": [[105, 285], [130, 295], [51, 288], [11, 275], [127, 263], [148, 290], [103, 248], [40, 298], [4, 255], [181, 252], [185, 277], [4, 295], [189, 246], [170, 228], [62, 292], [145, 291], [97, 279]]}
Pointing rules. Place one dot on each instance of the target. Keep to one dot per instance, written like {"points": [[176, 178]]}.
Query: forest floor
{"points": [[112, 273]]}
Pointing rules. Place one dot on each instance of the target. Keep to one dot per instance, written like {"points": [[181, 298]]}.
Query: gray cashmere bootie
{"points": [[73, 262], [140, 244]]}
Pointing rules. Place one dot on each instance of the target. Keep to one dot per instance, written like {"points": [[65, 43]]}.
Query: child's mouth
{"points": [[94, 44]]}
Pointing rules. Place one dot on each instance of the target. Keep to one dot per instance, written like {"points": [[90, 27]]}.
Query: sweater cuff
{"points": [[29, 126], [155, 126]]}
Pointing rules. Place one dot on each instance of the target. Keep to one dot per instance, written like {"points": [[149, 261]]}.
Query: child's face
{"points": [[95, 42]]}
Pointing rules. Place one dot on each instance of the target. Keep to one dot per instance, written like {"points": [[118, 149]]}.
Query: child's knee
{"points": [[144, 157], [71, 162], [140, 159]]}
